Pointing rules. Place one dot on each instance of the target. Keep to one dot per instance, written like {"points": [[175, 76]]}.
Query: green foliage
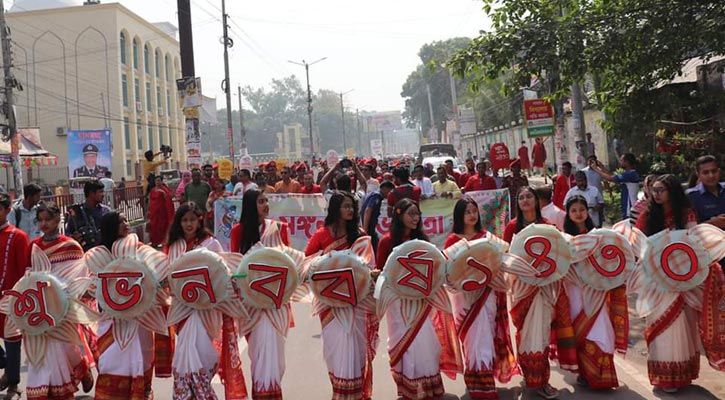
{"points": [[491, 105], [629, 45]]}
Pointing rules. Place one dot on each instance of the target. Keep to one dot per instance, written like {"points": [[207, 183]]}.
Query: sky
{"points": [[371, 47]]}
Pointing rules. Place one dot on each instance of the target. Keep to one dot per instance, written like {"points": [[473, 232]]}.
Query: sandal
{"points": [[548, 392], [87, 381]]}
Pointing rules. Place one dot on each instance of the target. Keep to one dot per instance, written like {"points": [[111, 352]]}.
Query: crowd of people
{"points": [[583, 343]]}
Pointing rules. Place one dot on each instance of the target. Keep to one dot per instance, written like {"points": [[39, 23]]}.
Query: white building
{"points": [[96, 66], [290, 143]]}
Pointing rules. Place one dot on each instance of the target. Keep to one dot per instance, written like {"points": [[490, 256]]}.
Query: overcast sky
{"points": [[370, 46]]}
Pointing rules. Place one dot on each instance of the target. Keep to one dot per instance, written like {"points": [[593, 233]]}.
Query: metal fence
{"points": [[129, 201]]}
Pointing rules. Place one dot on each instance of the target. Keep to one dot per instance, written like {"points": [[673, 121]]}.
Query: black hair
{"points": [[92, 186], [629, 158], [149, 154], [49, 207], [249, 220], [4, 200], [31, 189], [704, 160], [397, 227], [459, 213], [244, 171], [352, 227], [544, 192], [176, 232], [109, 228], [387, 185], [343, 183], [569, 225], [520, 214], [418, 166], [108, 174], [566, 164], [580, 174], [402, 174], [679, 202]]}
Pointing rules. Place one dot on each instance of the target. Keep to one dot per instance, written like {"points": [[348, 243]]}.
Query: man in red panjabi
{"points": [[563, 183], [480, 181]]}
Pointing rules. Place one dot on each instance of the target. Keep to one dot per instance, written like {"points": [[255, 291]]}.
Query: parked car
{"points": [[435, 150]]}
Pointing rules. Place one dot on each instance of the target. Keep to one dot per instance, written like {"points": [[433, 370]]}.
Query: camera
{"points": [[166, 149]]}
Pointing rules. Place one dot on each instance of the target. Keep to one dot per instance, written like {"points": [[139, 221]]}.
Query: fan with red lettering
{"points": [[474, 265], [268, 276], [41, 307], [414, 274], [544, 249], [127, 286], [609, 264], [200, 281], [678, 261], [340, 280]]}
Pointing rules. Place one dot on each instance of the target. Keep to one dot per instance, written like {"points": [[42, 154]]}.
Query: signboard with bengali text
{"points": [[539, 118]]}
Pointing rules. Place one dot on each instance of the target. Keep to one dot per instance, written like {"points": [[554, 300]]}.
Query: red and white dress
{"points": [[349, 353], [483, 329], [267, 329], [64, 365], [198, 356]]}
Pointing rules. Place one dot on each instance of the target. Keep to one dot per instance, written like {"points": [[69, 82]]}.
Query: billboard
{"points": [[89, 153]]}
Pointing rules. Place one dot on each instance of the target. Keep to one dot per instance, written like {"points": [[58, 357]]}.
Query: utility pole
{"points": [[8, 106], [241, 121], [228, 42], [359, 134], [342, 111], [309, 102], [432, 120], [577, 119], [454, 106], [186, 41]]}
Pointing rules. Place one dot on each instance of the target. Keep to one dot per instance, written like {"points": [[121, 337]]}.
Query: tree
{"points": [[433, 73], [627, 45]]}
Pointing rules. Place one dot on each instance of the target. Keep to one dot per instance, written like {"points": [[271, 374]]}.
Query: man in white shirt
{"points": [[595, 201], [367, 171], [23, 213], [425, 184], [554, 214], [593, 178], [245, 183], [107, 182]]}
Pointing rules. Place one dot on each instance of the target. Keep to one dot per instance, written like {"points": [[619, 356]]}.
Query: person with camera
{"points": [[84, 219], [149, 165], [23, 212]]}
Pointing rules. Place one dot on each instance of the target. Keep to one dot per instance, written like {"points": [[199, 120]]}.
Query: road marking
{"points": [[242, 346]]}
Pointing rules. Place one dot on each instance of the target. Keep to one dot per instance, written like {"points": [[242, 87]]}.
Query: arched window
{"points": [[122, 45], [168, 68], [135, 54], [146, 60], [157, 64]]}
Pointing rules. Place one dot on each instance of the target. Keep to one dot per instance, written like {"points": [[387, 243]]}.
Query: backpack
{"points": [[18, 214]]}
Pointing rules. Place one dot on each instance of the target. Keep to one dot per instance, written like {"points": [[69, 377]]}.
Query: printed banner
{"points": [[89, 153], [305, 213]]}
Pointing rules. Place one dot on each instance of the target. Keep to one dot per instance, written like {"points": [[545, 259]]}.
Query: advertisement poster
{"points": [[89, 153], [305, 213]]}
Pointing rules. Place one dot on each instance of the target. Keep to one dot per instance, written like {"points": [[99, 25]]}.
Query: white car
{"points": [[440, 160]]}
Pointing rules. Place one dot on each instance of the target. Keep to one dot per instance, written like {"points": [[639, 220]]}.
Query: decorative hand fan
{"points": [[609, 264], [415, 269], [473, 265], [127, 286], [546, 250], [41, 307], [676, 260], [267, 276], [342, 278]]}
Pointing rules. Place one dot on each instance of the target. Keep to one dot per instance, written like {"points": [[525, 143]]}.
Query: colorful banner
{"points": [[305, 213], [89, 153], [500, 156]]}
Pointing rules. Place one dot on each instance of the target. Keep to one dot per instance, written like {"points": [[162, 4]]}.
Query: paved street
{"points": [[306, 376]]}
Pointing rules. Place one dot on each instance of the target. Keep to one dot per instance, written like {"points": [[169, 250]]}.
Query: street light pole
{"points": [[309, 101]]}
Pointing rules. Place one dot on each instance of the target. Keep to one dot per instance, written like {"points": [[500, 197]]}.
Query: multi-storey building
{"points": [[97, 66]]}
